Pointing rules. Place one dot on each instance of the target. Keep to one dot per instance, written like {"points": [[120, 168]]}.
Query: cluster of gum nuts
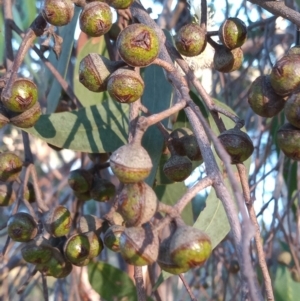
{"points": [[48, 244], [133, 235], [270, 94]]}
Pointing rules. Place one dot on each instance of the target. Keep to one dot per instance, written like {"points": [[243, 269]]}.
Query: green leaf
{"points": [[285, 288], [87, 97], [62, 64], [111, 283], [28, 12], [170, 194], [213, 220], [157, 98], [95, 129], [182, 120]]}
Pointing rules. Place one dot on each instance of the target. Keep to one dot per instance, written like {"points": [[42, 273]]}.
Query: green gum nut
{"points": [[237, 144], [285, 75], [76, 248], [119, 4], [191, 40], [191, 148], [37, 251], [56, 266], [288, 139], [96, 19], [125, 86], [189, 247], [58, 221], [131, 163], [176, 139], [102, 190], [24, 94], [226, 60], [80, 180], [83, 196], [94, 70], [137, 203], [90, 222], [233, 33], [58, 12], [22, 227], [139, 246], [138, 45], [112, 237], [96, 244], [178, 168], [165, 261], [294, 50], [80, 248], [117, 219], [292, 110], [10, 167], [263, 99]]}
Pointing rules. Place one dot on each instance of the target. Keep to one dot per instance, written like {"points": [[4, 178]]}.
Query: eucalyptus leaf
{"points": [[285, 288], [157, 98], [170, 194], [213, 220], [28, 12], [111, 283], [95, 129]]}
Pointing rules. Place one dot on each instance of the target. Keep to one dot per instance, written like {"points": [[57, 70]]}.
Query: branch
{"points": [[37, 189], [278, 8], [211, 165], [8, 34]]}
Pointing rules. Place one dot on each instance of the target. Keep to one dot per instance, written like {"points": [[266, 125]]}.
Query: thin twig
{"points": [[189, 290], [175, 211], [260, 252], [28, 279], [5, 247], [37, 189], [9, 53], [45, 287]]}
